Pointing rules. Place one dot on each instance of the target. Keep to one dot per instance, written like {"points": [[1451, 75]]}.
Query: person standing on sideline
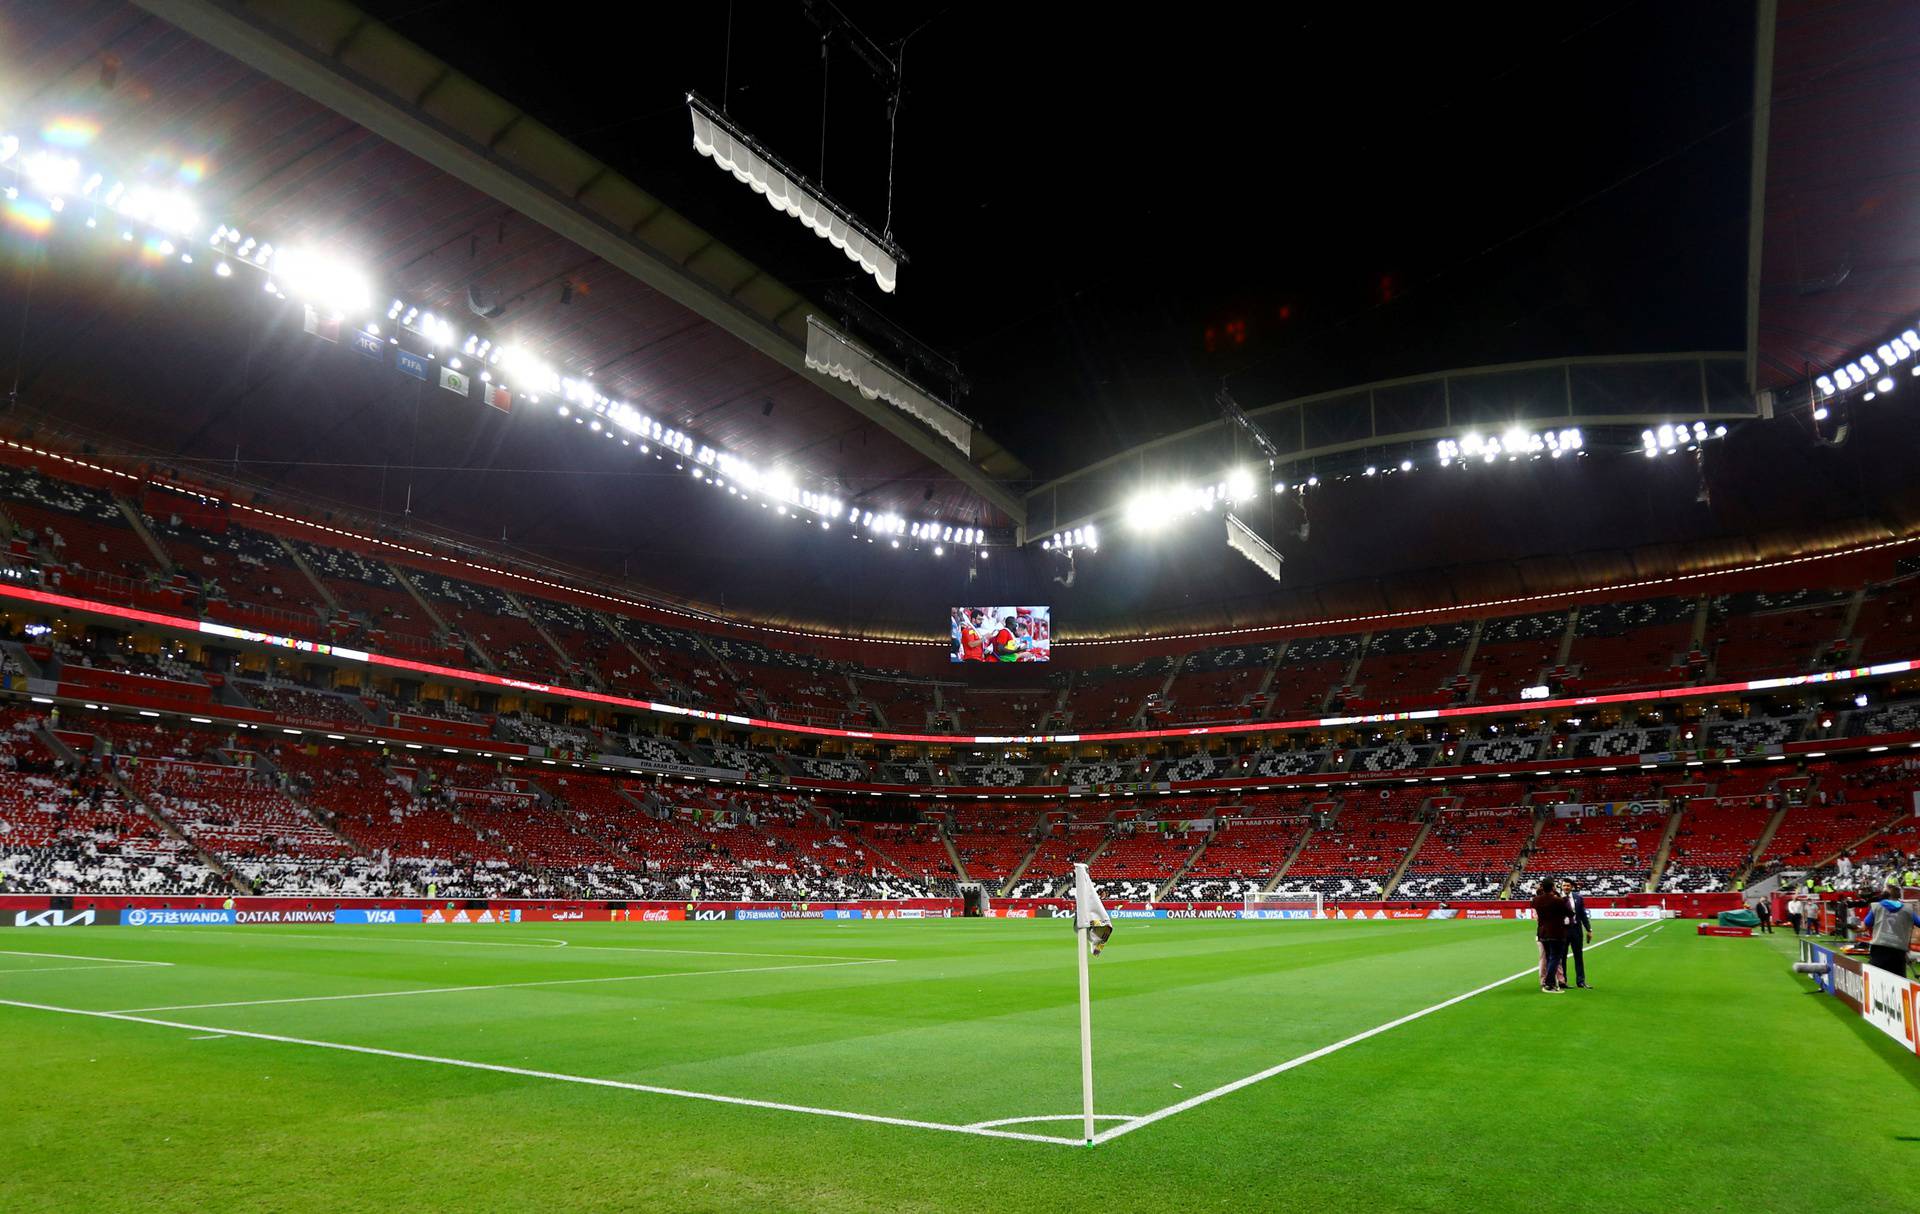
{"points": [[1578, 925], [1763, 910], [1793, 914], [1551, 916], [1892, 922]]}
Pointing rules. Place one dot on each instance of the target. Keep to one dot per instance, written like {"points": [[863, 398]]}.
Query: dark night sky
{"points": [[1359, 193]]}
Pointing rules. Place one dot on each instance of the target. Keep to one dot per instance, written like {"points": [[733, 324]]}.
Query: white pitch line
{"points": [[987, 1125], [594, 948], [208, 1037], [499, 986], [556, 1076], [267, 932], [714, 952], [14, 952], [1642, 940], [1229, 1088], [68, 969]]}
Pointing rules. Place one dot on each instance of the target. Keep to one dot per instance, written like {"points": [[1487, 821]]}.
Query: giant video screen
{"points": [[1001, 634]]}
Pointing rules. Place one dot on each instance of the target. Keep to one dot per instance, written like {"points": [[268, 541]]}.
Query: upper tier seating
{"points": [[1619, 646], [1513, 653], [1757, 635], [1407, 668], [368, 590], [1889, 623], [74, 525]]}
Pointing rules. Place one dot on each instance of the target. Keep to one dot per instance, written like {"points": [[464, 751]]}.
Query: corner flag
{"points": [[1090, 917], [1089, 913]]}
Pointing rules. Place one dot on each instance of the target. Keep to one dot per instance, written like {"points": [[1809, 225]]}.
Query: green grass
{"points": [[1659, 1090]]}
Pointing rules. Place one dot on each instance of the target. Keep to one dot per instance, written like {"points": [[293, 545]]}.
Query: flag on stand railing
{"points": [[1089, 913]]}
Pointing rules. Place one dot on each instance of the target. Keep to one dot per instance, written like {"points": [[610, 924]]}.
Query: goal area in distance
{"points": [[1285, 904]]}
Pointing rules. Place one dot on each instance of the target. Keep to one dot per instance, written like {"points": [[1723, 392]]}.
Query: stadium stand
{"points": [[1353, 857], [1600, 855], [1713, 843], [1758, 635], [405, 825], [1513, 653], [1240, 857], [1468, 854], [1621, 646]]}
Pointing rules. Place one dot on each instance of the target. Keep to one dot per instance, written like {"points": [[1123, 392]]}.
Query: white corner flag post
{"points": [[1089, 920]]}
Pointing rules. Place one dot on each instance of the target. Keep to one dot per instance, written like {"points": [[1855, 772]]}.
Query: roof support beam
{"points": [[245, 34]]}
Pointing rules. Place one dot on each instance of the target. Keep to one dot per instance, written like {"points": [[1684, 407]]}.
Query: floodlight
{"points": [[51, 174], [322, 280], [169, 210]]}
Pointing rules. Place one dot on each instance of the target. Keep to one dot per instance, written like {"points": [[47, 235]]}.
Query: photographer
{"points": [[1892, 923]]}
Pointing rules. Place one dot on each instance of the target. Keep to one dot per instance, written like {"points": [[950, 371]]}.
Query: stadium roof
{"points": [[318, 124], [1835, 250], [380, 154]]}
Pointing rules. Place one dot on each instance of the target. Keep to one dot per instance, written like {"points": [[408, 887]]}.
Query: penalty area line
{"points": [[555, 1076], [1226, 1089], [14, 952], [498, 986], [543, 943]]}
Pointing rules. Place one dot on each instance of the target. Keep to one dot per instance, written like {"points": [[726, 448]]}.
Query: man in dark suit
{"points": [[1579, 935]]}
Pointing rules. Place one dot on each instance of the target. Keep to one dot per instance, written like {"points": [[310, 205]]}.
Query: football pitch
{"points": [[933, 1065]]}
